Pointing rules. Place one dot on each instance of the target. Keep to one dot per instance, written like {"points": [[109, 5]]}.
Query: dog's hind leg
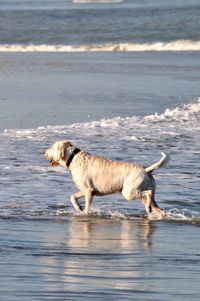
{"points": [[147, 198], [74, 198]]}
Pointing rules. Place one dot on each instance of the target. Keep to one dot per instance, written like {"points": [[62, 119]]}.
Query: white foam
{"points": [[174, 214], [183, 215], [183, 113], [96, 212], [179, 45]]}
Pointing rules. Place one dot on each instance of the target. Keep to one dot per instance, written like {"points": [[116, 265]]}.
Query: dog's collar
{"points": [[72, 155]]}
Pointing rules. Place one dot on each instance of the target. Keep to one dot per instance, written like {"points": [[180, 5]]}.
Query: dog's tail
{"points": [[158, 164]]}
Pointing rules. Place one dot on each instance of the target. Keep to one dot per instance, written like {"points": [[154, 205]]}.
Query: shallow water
{"points": [[85, 258], [48, 252]]}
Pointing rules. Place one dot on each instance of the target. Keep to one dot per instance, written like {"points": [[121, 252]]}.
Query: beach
{"points": [[149, 103]]}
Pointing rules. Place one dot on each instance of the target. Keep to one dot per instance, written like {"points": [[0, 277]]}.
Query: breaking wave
{"points": [[179, 45], [183, 113], [187, 115]]}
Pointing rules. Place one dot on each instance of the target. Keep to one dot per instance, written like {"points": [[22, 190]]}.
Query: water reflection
{"points": [[88, 254], [104, 234]]}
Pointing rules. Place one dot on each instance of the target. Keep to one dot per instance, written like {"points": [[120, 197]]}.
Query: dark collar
{"points": [[73, 154]]}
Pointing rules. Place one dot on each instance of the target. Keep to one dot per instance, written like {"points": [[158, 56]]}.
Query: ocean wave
{"points": [[183, 113], [179, 45], [187, 114]]}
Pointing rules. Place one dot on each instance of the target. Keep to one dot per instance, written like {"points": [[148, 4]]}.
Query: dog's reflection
{"points": [[89, 235], [86, 246], [108, 234]]}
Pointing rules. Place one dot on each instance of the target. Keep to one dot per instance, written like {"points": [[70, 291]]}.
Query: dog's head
{"points": [[58, 153]]}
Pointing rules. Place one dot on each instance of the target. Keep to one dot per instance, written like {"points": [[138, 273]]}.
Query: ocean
{"points": [[118, 79], [109, 25]]}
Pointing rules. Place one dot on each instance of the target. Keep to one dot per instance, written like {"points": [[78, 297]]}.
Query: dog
{"points": [[98, 176]]}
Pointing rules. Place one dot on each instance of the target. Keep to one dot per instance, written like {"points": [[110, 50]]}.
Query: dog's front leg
{"points": [[74, 198], [88, 200]]}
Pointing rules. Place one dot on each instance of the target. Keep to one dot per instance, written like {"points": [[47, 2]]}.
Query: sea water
{"points": [[108, 25], [127, 106]]}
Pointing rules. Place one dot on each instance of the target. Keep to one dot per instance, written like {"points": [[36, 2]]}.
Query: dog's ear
{"points": [[63, 149]]}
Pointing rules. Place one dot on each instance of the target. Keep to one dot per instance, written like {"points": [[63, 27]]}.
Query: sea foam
{"points": [[184, 215], [183, 113], [178, 45]]}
